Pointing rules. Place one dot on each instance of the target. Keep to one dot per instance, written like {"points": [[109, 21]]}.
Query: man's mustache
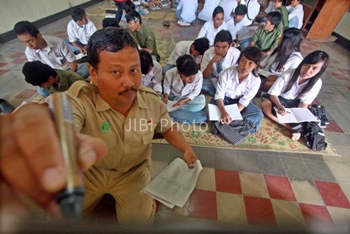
{"points": [[134, 89]]}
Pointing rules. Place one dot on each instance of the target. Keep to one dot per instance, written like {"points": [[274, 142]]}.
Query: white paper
{"points": [[170, 106], [264, 73], [215, 115], [296, 115], [174, 184]]}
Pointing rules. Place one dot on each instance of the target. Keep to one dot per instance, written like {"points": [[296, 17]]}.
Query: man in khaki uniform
{"points": [[115, 109]]}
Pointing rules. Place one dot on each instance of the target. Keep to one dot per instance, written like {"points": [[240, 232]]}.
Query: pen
{"points": [[70, 199]]}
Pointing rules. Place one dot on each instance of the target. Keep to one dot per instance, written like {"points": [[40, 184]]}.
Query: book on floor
{"points": [[296, 115], [171, 107], [174, 184], [215, 115]]}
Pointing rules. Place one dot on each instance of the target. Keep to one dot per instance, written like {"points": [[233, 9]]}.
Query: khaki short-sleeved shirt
{"points": [[128, 138], [67, 78]]}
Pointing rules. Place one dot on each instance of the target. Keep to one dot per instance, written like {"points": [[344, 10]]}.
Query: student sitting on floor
{"points": [[213, 26], [296, 14], [235, 25], [194, 48], [296, 88], [279, 5], [216, 59], [143, 35], [186, 12], [266, 36], [286, 56], [151, 72], [42, 75], [206, 13], [238, 85], [183, 84], [79, 31]]}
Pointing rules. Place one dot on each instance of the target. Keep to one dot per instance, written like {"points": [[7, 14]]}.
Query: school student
{"points": [[186, 12], [296, 14], [279, 6], [206, 13], [183, 84], [253, 7], [296, 88], [216, 59], [238, 85], [194, 48], [235, 25], [151, 72], [79, 31], [229, 7], [286, 56], [213, 26]]}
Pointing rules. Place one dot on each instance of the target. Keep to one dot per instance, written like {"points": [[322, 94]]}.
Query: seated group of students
{"points": [[212, 65]]}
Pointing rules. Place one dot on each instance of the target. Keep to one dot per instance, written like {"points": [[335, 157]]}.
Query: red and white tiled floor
{"points": [[242, 188]]}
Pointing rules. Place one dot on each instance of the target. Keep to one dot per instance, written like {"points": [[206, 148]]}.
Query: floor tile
{"points": [[206, 179], [203, 205], [3, 72], [332, 194], [2, 64], [248, 162], [17, 54], [333, 127], [160, 152], [183, 211], [26, 93], [205, 155], [346, 189], [306, 192], [295, 168], [340, 76], [271, 165], [319, 170], [253, 184], [341, 217], [259, 211], [227, 181], [340, 171], [287, 214], [279, 188], [345, 71], [226, 160], [157, 167], [315, 213], [231, 209]]}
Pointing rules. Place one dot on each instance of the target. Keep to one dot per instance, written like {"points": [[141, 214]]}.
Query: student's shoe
{"points": [[323, 116], [166, 23], [76, 52], [213, 129], [183, 23], [5, 107], [80, 56]]}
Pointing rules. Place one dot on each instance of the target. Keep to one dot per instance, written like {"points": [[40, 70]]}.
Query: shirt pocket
{"points": [[147, 138]]}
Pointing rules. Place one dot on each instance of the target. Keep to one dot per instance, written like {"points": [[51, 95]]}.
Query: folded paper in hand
{"points": [[174, 184], [215, 115], [296, 115], [171, 107]]}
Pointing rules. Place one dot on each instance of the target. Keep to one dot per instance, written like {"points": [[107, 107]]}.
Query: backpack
{"points": [[314, 137]]}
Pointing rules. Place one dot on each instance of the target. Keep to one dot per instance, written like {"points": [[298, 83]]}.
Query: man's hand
{"points": [[190, 158], [216, 59]]}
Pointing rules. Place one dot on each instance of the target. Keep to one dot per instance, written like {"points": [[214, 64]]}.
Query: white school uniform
{"points": [[253, 9], [81, 34], [228, 85], [282, 82], [56, 54], [174, 84], [228, 61], [206, 13], [270, 7], [188, 10], [153, 79], [234, 28], [210, 32], [229, 6], [182, 48], [292, 62], [297, 11]]}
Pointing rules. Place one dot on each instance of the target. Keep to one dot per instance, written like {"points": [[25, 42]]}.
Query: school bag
{"points": [[314, 137], [236, 131]]}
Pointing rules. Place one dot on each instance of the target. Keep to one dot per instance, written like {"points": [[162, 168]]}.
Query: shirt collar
{"points": [[47, 48]]}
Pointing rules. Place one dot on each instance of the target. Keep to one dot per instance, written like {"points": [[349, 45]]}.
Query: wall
{"points": [[343, 26], [12, 11]]}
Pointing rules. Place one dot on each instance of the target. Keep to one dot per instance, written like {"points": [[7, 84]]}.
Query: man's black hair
{"points": [[24, 27], [201, 45], [275, 17], [133, 16], [223, 36], [110, 22], [241, 10], [37, 73], [78, 14], [186, 65], [146, 61]]}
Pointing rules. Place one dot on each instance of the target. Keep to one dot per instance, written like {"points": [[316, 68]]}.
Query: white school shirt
{"points": [[210, 32], [182, 48], [297, 11], [253, 9], [153, 79], [228, 85], [270, 7], [173, 83], [234, 29], [229, 6], [229, 60], [56, 54], [292, 62], [282, 82], [188, 10], [206, 13], [81, 34]]}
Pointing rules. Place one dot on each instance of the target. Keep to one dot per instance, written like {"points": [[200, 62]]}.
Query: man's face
{"points": [[268, 26], [30, 41], [277, 4], [118, 76], [238, 18], [194, 52], [187, 79], [83, 21], [245, 66], [134, 25], [294, 3], [48, 83], [221, 48]]}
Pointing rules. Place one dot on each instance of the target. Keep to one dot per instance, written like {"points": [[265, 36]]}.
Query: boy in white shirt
{"points": [[235, 25], [79, 31], [216, 59], [296, 14], [194, 48], [206, 13], [186, 12], [151, 72], [183, 84], [228, 6]]}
